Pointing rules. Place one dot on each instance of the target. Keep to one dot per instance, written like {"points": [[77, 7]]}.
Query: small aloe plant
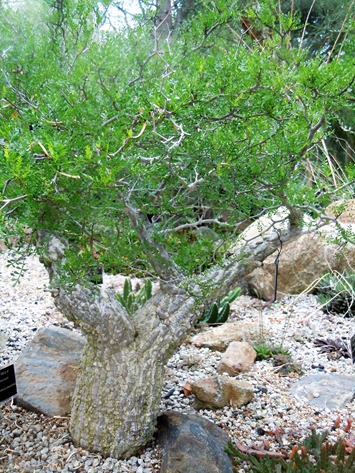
{"points": [[218, 312], [264, 351], [132, 299]]}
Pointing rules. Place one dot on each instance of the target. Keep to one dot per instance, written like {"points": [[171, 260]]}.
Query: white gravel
{"points": [[30, 442]]}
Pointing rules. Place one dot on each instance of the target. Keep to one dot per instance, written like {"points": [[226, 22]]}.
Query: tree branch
{"points": [[159, 257], [257, 242], [96, 314], [195, 225], [7, 202]]}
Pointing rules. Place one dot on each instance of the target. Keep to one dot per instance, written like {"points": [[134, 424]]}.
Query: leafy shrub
{"points": [[132, 299], [218, 312], [315, 455], [336, 293]]}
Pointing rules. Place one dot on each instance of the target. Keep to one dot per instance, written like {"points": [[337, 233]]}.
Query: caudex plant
{"points": [[117, 147], [316, 454]]}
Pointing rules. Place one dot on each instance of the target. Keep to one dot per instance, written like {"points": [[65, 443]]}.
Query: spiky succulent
{"points": [[337, 346], [218, 312], [336, 293]]}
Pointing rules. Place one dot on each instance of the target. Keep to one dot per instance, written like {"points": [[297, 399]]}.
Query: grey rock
{"points": [[46, 371], [192, 444], [331, 391]]}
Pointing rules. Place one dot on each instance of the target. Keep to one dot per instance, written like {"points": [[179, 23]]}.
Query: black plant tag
{"points": [[7, 383], [352, 347]]}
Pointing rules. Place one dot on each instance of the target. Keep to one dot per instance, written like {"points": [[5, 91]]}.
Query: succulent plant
{"points": [[314, 455], [218, 312], [264, 351], [336, 346], [336, 293], [132, 299]]}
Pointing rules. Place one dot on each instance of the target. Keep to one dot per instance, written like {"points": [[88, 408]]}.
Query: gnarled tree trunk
{"points": [[117, 394], [116, 399]]}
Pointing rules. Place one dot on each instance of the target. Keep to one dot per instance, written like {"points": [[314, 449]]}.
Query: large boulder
{"points": [[219, 391], [305, 259], [46, 371], [192, 444], [342, 210], [262, 231]]}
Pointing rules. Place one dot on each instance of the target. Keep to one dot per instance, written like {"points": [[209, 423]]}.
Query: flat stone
{"points": [[218, 338], [192, 444], [46, 371], [330, 391]]}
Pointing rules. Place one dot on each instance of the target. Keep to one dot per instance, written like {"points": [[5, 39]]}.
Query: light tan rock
{"points": [[207, 391], [302, 262], [263, 229], [218, 338], [239, 357], [236, 392], [343, 210], [219, 391]]}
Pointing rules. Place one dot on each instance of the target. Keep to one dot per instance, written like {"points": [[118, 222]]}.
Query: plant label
{"points": [[7, 383]]}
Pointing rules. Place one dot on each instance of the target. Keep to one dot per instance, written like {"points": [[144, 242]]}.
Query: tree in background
{"points": [[130, 154], [326, 26], [324, 31]]}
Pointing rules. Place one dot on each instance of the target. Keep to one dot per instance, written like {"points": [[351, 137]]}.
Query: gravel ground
{"points": [[30, 442]]}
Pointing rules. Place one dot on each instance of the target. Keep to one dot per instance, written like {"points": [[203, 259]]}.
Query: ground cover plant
{"points": [[316, 454], [264, 351]]}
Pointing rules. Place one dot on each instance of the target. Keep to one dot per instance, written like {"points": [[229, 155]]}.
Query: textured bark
{"points": [[163, 19], [116, 399], [117, 395]]}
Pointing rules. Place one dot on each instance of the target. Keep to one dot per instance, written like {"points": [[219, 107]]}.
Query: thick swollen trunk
{"points": [[118, 389], [116, 399]]}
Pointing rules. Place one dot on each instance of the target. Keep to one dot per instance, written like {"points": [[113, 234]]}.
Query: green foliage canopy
{"points": [[201, 131]]}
